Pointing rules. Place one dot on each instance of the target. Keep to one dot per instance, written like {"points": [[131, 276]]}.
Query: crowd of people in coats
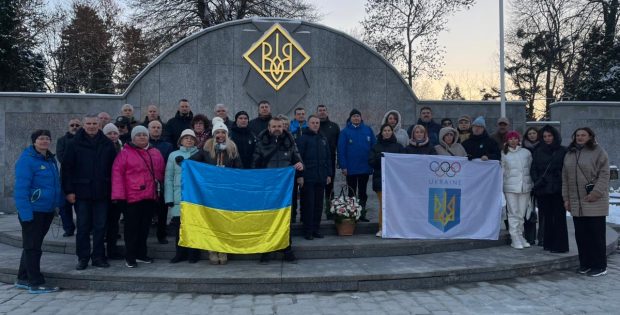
{"points": [[126, 168]]}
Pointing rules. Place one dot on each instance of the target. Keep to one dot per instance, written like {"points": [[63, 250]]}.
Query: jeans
{"points": [[33, 233], [91, 217]]}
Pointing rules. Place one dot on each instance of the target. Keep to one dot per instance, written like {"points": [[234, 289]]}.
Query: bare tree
{"points": [[405, 32], [167, 21]]}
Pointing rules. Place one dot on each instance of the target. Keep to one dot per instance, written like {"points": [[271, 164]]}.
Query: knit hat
{"points": [[354, 112], [122, 121], [479, 121], [186, 132], [465, 117], [241, 113], [109, 128], [138, 129], [513, 134], [38, 133], [218, 124]]}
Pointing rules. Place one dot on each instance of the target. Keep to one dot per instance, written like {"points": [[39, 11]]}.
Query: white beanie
{"points": [[218, 124], [138, 129], [109, 128], [187, 132]]}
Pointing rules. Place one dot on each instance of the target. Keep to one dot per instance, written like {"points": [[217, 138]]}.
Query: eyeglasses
{"points": [[74, 125]]}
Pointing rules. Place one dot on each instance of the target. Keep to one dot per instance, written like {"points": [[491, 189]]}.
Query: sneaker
{"points": [[81, 265], [41, 289], [22, 284], [582, 270], [516, 244], [596, 272], [100, 263], [264, 259], [131, 264], [146, 260], [289, 257], [378, 234]]}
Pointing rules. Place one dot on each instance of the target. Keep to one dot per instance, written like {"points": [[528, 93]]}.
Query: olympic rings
{"points": [[445, 168]]}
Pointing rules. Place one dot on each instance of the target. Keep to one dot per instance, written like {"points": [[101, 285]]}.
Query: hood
{"points": [[384, 120], [557, 138], [443, 132]]}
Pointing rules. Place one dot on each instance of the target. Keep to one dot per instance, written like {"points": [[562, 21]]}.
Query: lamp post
{"points": [[502, 84]]}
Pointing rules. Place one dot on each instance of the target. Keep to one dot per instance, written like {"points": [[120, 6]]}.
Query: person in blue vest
{"points": [[354, 144], [37, 194]]}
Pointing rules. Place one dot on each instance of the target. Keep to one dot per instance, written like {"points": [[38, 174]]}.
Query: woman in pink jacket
{"points": [[137, 177]]}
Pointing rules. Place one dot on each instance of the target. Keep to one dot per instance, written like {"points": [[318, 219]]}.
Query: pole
{"points": [[502, 92]]}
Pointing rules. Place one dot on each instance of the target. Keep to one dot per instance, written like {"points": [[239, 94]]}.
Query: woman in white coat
{"points": [[516, 162]]}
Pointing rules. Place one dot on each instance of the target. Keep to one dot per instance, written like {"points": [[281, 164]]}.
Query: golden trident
{"points": [[444, 209], [277, 66]]}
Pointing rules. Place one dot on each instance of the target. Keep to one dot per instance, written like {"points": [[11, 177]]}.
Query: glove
{"points": [[179, 159]]}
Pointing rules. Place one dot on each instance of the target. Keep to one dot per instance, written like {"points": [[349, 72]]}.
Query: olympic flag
{"points": [[440, 197]]}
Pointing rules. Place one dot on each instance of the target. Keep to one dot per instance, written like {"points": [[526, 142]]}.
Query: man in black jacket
{"points": [[66, 211], [86, 180], [152, 113], [426, 120], [480, 145], [260, 123], [331, 131], [181, 121], [244, 138], [275, 148]]}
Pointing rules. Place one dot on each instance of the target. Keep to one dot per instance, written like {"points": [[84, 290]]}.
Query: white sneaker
{"points": [[378, 234], [516, 244]]}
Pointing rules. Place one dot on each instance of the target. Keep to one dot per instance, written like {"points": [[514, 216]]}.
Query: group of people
{"points": [[134, 169]]}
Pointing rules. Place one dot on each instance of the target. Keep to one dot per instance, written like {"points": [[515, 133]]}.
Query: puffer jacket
{"points": [[354, 144], [275, 152], [401, 135], [37, 184], [374, 158], [456, 149], [580, 167], [133, 172], [172, 182], [314, 150], [551, 156], [516, 166]]}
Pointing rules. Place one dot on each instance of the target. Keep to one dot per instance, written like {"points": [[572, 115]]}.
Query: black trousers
{"points": [[358, 183], [555, 231], [312, 206], [137, 222], [590, 236], [162, 216], [112, 227], [182, 252], [33, 233]]}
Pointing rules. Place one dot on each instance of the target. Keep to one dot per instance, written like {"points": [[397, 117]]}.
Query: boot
{"points": [[223, 258], [516, 243], [213, 258]]}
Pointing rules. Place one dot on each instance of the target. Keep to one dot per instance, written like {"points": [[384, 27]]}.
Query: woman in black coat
{"points": [[386, 142], [546, 172]]}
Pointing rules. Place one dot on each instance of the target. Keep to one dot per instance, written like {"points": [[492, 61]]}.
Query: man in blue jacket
{"points": [[354, 144]]}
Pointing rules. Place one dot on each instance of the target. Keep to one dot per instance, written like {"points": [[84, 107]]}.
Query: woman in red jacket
{"points": [[137, 177]]}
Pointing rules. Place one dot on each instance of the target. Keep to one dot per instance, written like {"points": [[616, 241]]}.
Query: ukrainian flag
{"points": [[233, 210]]}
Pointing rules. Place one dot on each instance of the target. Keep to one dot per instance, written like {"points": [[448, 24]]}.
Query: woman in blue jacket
{"points": [[354, 144], [37, 195]]}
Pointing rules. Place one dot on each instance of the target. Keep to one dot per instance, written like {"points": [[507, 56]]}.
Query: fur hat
{"points": [[138, 129], [109, 127], [187, 132], [38, 133], [479, 121], [218, 124]]}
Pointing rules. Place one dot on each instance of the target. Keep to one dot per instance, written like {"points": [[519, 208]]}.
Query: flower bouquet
{"points": [[346, 210]]}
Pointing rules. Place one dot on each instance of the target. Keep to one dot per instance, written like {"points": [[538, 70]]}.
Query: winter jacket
{"points": [[401, 135], [37, 184], [87, 166], [314, 151], [516, 168], [175, 126], [296, 130], [134, 174], [258, 124], [172, 182], [456, 149], [464, 135], [331, 131], [477, 146], [354, 144], [245, 140], [425, 148], [374, 158], [531, 146], [552, 156], [500, 139], [164, 147], [431, 127], [205, 157], [62, 144], [274, 152], [583, 166]]}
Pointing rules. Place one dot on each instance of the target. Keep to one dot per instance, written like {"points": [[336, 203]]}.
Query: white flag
{"points": [[440, 197]]}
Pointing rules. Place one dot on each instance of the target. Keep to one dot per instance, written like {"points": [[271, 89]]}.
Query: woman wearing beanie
{"points": [[37, 194], [516, 163], [172, 192], [585, 190], [111, 131], [219, 151], [419, 142], [137, 177], [386, 142], [244, 138], [448, 144]]}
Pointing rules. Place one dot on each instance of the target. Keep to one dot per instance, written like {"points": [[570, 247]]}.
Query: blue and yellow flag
{"points": [[235, 211]]}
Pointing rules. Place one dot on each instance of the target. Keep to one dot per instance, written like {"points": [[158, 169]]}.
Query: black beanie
{"points": [[354, 112], [40, 132], [241, 113]]}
